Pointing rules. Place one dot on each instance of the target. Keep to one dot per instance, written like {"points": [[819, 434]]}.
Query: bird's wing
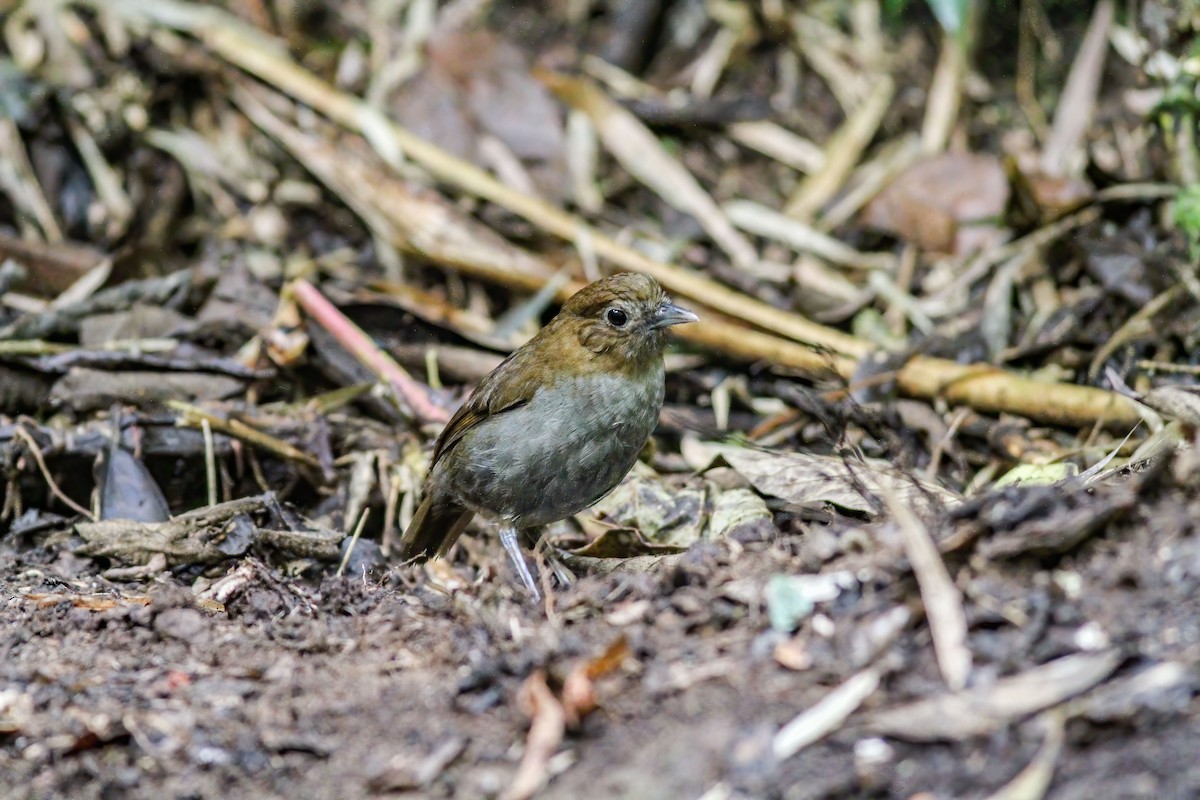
{"points": [[495, 394], [440, 519]]}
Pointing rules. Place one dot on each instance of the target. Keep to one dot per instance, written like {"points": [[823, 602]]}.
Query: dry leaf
{"points": [[579, 689], [667, 513], [478, 85], [623, 543], [855, 485], [545, 735], [741, 512], [948, 203]]}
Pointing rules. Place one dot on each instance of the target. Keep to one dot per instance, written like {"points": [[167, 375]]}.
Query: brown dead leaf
{"points": [[545, 735], [623, 543], [948, 203], [478, 85], [852, 484], [579, 689], [49, 267], [667, 513], [1054, 196]]}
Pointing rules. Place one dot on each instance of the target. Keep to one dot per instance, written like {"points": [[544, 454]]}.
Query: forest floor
{"points": [[966, 568]]}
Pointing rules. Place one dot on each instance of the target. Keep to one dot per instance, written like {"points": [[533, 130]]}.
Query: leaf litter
{"points": [[250, 262]]}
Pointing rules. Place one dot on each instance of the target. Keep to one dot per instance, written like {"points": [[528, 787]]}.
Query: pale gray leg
{"points": [[508, 538]]}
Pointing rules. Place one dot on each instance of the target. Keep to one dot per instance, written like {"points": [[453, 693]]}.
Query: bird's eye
{"points": [[616, 317]]}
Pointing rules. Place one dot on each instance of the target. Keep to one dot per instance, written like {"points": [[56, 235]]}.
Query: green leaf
{"points": [[1187, 215], [791, 598], [787, 603]]}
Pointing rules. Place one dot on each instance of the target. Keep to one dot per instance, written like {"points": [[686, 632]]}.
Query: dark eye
{"points": [[616, 317]]}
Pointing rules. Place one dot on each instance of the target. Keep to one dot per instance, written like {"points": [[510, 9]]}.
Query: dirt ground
{"points": [[361, 688]]}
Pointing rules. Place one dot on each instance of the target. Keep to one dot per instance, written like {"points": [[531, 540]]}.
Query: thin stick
{"points": [[358, 529], [942, 599], [191, 415], [36, 452], [354, 339], [210, 461]]}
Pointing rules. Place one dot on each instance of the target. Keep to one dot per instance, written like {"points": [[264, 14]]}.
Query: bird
{"points": [[555, 426]]}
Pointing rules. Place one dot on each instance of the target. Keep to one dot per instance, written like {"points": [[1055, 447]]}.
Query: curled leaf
{"points": [[851, 484]]}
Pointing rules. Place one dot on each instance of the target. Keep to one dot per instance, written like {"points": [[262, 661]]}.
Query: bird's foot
{"points": [[558, 569], [512, 546]]}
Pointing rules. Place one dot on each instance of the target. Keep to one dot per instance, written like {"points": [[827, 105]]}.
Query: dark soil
{"points": [[354, 688]]}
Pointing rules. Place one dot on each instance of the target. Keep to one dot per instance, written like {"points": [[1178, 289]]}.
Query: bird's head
{"points": [[622, 319]]}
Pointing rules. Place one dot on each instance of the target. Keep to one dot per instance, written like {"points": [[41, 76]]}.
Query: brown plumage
{"points": [[556, 425]]}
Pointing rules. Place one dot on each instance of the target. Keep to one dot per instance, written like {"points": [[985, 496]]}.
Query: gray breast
{"points": [[566, 448]]}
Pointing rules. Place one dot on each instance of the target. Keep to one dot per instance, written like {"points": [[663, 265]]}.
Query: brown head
{"points": [[621, 319]]}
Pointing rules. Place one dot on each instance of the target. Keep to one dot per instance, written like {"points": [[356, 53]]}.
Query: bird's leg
{"points": [[539, 545], [508, 538]]}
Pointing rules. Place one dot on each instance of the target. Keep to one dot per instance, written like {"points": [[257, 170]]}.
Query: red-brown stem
{"points": [[355, 340]]}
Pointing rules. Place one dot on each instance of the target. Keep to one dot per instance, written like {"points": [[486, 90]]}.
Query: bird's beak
{"points": [[670, 314]]}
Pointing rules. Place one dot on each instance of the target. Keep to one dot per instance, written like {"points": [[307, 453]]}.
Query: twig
{"points": [[762, 221], [640, 153], [36, 452], [945, 94], [358, 529], [779, 143], [196, 417], [210, 461], [354, 339], [1078, 98], [942, 599], [843, 151], [18, 179], [827, 715], [261, 56], [1032, 782]]}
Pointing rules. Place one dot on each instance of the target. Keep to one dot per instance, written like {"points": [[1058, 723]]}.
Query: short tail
{"points": [[434, 530]]}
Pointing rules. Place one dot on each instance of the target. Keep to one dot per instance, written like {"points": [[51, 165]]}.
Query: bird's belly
{"points": [[559, 453]]}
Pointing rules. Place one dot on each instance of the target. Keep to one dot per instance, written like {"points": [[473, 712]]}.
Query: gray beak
{"points": [[670, 314]]}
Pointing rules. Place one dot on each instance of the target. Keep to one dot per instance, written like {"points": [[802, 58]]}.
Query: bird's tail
{"points": [[434, 530]]}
